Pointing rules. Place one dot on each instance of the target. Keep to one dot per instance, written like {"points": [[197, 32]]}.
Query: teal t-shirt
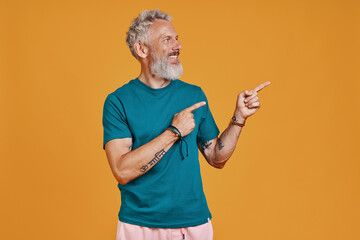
{"points": [[170, 194]]}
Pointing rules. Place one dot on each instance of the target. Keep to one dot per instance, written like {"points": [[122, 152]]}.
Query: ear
{"points": [[141, 50]]}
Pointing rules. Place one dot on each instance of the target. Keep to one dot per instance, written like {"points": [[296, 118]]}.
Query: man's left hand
{"points": [[248, 102]]}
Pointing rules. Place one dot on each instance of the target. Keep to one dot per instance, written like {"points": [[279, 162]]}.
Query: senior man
{"points": [[153, 127]]}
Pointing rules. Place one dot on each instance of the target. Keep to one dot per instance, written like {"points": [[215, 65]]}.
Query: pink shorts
{"points": [[126, 231]]}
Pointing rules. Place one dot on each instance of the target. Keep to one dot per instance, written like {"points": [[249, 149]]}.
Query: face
{"points": [[164, 50]]}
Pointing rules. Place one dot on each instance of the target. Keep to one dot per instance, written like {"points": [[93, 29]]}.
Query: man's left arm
{"points": [[218, 150]]}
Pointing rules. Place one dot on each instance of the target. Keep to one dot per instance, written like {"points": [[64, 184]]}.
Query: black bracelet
{"points": [[175, 130]]}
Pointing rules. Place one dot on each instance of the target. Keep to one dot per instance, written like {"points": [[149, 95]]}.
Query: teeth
{"points": [[173, 56]]}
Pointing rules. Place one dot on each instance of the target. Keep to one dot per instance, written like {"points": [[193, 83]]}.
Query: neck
{"points": [[150, 79]]}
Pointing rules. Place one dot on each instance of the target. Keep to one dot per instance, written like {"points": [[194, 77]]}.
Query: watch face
{"points": [[234, 122]]}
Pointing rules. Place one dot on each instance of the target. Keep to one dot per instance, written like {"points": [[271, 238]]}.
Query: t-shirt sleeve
{"points": [[208, 129], [114, 120]]}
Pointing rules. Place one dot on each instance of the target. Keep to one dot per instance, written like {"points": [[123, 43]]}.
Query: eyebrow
{"points": [[166, 36]]}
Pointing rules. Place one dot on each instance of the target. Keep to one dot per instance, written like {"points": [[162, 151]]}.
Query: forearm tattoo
{"points": [[157, 157], [220, 144], [204, 145]]}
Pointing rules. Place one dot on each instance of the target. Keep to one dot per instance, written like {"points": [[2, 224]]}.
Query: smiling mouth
{"points": [[174, 55]]}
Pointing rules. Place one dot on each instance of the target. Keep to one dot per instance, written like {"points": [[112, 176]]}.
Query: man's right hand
{"points": [[184, 120]]}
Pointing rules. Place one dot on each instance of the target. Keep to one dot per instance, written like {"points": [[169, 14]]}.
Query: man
{"points": [[153, 127]]}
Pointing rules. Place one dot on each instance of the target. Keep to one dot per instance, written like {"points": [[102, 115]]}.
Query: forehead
{"points": [[161, 28]]}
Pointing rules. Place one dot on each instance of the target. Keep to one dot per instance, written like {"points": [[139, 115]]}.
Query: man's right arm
{"points": [[127, 164]]}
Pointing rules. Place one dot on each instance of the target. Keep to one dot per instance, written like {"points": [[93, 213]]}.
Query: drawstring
{"points": [[187, 148], [177, 132]]}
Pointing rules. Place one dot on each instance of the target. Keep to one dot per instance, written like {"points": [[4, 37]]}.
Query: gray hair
{"points": [[138, 31]]}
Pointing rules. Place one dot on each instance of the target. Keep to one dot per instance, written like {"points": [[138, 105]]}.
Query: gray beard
{"points": [[161, 68]]}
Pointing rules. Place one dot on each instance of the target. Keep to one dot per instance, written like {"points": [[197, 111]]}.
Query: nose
{"points": [[177, 46]]}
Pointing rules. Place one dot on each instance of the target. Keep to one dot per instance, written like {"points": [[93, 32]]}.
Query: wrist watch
{"points": [[234, 122]]}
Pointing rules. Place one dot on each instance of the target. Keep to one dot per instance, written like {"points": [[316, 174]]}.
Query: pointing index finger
{"points": [[261, 86], [195, 106]]}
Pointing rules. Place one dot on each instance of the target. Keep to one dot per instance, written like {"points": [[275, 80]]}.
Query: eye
{"points": [[167, 39]]}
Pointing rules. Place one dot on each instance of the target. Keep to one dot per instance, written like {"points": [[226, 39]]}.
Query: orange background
{"points": [[295, 173]]}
